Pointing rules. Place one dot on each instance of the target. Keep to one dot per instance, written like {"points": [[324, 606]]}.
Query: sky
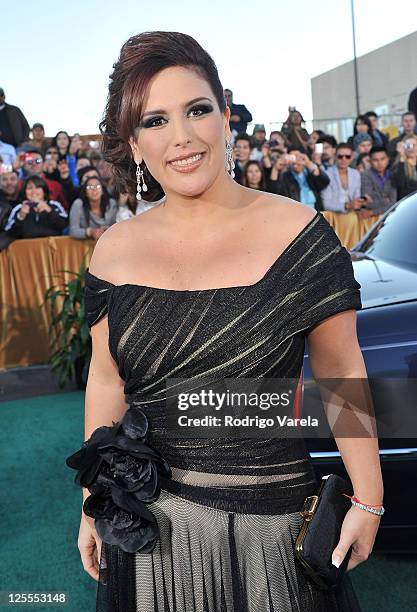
{"points": [[56, 57]]}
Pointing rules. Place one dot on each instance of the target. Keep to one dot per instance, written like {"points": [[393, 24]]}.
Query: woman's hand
{"points": [[89, 545], [42, 206], [25, 209], [359, 529], [49, 166]]}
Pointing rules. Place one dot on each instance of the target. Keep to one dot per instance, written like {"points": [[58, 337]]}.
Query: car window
{"points": [[395, 237]]}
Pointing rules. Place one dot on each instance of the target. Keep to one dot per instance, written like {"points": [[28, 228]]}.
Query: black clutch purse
{"points": [[320, 532]]}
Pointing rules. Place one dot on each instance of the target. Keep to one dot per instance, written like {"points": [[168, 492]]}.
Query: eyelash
{"points": [[205, 108]]}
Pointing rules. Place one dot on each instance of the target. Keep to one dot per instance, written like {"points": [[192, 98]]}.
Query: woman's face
{"points": [[295, 118], [94, 190], [36, 194], [254, 175], [364, 147], [242, 150], [361, 127], [62, 140], [181, 118]]}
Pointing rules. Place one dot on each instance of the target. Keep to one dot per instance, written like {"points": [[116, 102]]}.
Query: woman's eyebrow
{"points": [[161, 111]]}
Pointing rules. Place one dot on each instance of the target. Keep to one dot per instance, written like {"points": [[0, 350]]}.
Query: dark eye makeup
{"points": [[150, 122]]}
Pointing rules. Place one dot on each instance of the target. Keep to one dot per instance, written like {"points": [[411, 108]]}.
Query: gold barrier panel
{"points": [[28, 267], [349, 227]]}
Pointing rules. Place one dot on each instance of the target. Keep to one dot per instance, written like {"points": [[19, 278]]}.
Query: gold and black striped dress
{"points": [[229, 514]]}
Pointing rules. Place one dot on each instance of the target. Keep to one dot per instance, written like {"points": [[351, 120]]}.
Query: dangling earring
{"points": [[229, 158], [139, 176]]}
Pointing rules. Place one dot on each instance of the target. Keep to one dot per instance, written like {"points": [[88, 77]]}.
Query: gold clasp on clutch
{"points": [[310, 504]]}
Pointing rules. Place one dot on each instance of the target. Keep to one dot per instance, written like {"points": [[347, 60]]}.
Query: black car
{"points": [[385, 264]]}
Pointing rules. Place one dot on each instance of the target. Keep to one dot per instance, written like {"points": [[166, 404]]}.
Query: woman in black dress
{"points": [[220, 281]]}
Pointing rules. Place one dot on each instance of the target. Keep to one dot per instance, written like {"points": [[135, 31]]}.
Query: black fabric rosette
{"points": [[122, 472]]}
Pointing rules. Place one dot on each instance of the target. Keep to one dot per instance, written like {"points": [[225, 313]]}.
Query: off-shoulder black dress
{"points": [[229, 515]]}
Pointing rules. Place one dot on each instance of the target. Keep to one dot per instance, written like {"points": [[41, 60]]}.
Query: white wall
{"points": [[386, 77]]}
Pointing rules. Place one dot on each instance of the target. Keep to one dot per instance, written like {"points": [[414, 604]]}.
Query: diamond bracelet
{"points": [[378, 511]]}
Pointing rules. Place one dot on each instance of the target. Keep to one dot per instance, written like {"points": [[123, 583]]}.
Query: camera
{"points": [[408, 146], [290, 158]]}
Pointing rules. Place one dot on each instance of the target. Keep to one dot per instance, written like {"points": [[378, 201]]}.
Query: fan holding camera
{"points": [[274, 161], [37, 215], [293, 129], [303, 180], [405, 166]]}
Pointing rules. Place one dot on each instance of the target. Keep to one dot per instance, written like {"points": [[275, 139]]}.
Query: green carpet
{"points": [[41, 510], [40, 503]]}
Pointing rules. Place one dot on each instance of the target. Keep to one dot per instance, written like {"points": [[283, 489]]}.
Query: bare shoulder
{"points": [[283, 214], [111, 248]]}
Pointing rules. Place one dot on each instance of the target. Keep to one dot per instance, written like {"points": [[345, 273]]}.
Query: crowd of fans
{"points": [[63, 186]]}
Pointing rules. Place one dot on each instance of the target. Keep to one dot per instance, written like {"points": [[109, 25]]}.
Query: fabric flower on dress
{"points": [[122, 520], [122, 472]]}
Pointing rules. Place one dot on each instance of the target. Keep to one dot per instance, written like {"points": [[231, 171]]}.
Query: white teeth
{"points": [[188, 161]]}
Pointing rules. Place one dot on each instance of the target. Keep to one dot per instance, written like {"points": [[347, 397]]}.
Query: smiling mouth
{"points": [[188, 163]]}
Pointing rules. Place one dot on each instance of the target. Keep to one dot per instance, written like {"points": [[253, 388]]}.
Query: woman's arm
{"points": [[58, 217], [104, 396], [104, 404], [76, 230], [334, 352]]}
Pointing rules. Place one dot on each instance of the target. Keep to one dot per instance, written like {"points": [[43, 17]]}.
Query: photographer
{"points": [[328, 150], [277, 139], [404, 169], [37, 216], [313, 139], [32, 163], [407, 130], [274, 162], [303, 180], [292, 129]]}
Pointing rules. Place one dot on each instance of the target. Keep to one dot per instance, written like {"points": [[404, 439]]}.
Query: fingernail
{"points": [[336, 561]]}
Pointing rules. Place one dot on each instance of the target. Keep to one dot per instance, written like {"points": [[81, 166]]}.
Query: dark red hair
{"points": [[141, 58]]}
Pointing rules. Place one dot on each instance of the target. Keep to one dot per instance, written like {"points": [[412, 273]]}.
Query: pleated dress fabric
{"points": [[229, 514]]}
